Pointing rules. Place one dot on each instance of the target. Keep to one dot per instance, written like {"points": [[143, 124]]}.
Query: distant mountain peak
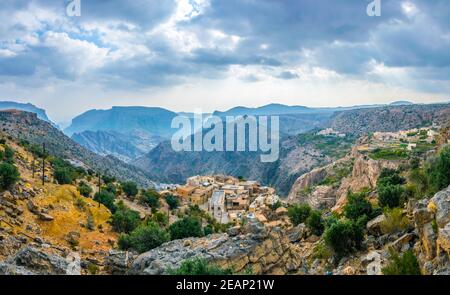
{"points": [[27, 107], [401, 103]]}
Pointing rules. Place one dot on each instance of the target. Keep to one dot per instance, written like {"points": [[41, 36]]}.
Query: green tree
{"points": [[406, 264], [173, 202], [315, 223], [151, 198], [84, 189], [299, 213], [63, 175], [344, 237], [439, 171], [106, 198], [358, 206], [144, 238], [186, 227], [198, 266], [9, 175], [8, 155], [130, 188], [125, 220], [160, 218], [390, 196]]}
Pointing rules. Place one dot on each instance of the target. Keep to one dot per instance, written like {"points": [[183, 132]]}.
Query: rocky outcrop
{"points": [[33, 261], [432, 222], [258, 249], [364, 175], [374, 226]]}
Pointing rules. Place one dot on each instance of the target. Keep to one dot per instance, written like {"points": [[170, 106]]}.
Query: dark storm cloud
{"points": [[336, 35]]}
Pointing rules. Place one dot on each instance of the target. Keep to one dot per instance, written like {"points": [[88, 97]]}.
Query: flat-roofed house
{"points": [[185, 191], [216, 206]]}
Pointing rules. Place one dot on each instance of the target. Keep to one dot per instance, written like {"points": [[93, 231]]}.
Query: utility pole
{"points": [[43, 164], [32, 165], [99, 181]]}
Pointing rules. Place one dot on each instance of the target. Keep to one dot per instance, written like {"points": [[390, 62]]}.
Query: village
{"points": [[230, 200]]}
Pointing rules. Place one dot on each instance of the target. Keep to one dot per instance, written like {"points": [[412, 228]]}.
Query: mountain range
{"points": [[28, 107], [22, 125]]}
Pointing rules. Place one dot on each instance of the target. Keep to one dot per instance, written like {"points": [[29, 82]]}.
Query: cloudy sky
{"points": [[215, 54]]}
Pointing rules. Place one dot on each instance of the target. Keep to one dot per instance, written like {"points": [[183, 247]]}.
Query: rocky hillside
{"points": [[26, 126], [155, 121], [298, 155], [125, 147], [253, 249], [327, 186], [27, 107], [392, 118], [257, 249], [51, 228]]}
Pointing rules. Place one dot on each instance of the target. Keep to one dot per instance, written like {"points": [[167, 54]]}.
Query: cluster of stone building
{"points": [[226, 198], [331, 132], [410, 137]]}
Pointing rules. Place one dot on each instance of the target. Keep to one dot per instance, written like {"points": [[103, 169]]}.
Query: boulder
{"points": [[440, 205], [298, 233], [264, 251], [443, 241], [30, 260], [118, 262], [46, 217], [374, 225]]}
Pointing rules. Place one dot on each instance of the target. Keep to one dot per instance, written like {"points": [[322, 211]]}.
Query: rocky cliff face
{"points": [[432, 222], [327, 187], [256, 249], [390, 119], [24, 125]]}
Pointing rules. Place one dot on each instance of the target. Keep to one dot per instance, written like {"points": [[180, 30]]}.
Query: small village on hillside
{"points": [[228, 199]]}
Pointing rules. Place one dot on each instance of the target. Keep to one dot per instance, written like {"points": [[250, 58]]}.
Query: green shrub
{"points": [[111, 187], [208, 230], [107, 199], [8, 155], [63, 175], [186, 227], [160, 218], [315, 223], [84, 189], [390, 190], [389, 154], [173, 202], [65, 172], [344, 237], [395, 221], [9, 175], [90, 223], [438, 171], [358, 207], [130, 188], [406, 264], [299, 213], [390, 177], [107, 179], [144, 238], [390, 196], [125, 220], [322, 251], [151, 198], [198, 266]]}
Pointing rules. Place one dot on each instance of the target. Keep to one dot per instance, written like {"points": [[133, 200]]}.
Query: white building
{"points": [[216, 206]]}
